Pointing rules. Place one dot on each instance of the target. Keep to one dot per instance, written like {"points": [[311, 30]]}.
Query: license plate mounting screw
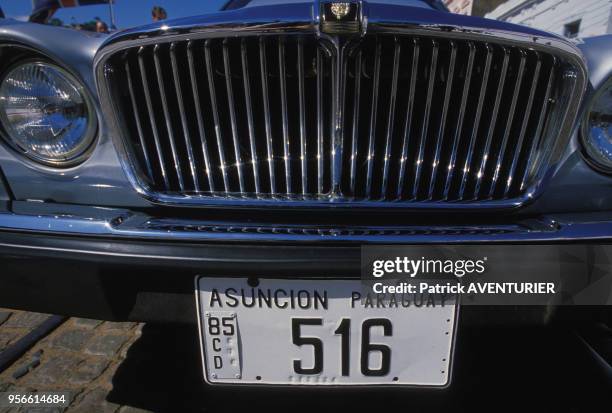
{"points": [[213, 375], [237, 376], [233, 315], [207, 314]]}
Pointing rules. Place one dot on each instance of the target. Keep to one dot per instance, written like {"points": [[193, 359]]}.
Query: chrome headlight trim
{"points": [[589, 153], [89, 136]]}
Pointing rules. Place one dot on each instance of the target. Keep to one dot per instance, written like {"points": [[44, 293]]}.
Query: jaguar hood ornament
{"points": [[340, 10], [340, 17]]}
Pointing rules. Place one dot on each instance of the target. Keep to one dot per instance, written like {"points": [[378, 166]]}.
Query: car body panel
{"points": [[102, 181], [83, 241]]}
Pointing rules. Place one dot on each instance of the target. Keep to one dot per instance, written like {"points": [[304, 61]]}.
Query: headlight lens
{"points": [[597, 129], [46, 114]]}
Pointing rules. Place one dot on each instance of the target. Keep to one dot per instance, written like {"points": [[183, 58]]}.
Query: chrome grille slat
{"points": [[302, 109], [539, 128], [388, 118], [459, 127], [266, 106], [373, 114], [392, 103], [487, 147], [355, 128], [215, 114], [198, 110], [408, 124], [282, 76], [151, 113], [232, 113], [141, 137], [504, 143], [249, 113], [447, 92], [433, 69], [481, 100], [181, 106], [168, 121], [338, 80], [320, 126], [526, 117]]}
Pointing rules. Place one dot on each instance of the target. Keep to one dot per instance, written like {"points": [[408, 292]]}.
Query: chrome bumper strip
{"points": [[95, 221]]}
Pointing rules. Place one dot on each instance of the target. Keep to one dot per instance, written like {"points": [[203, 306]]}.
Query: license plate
{"points": [[321, 332]]}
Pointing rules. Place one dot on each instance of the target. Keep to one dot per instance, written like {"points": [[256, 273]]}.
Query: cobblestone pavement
{"points": [[81, 356], [130, 367]]}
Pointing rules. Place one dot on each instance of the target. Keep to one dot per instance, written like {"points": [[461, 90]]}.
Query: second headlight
{"points": [[46, 114], [597, 129]]}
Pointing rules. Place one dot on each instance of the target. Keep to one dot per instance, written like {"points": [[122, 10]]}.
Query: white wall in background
{"points": [[460, 6], [559, 16]]}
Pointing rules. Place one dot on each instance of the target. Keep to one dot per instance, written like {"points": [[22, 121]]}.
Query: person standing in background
{"points": [[101, 27], [159, 13]]}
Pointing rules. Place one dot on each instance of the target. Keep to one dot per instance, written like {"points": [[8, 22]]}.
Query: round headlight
{"points": [[597, 129], [46, 114]]}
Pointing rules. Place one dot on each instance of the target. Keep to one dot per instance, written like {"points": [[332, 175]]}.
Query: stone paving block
{"points": [[6, 387], [4, 315], [25, 320], [105, 345], [82, 356], [89, 370], [110, 325], [53, 369], [87, 322], [6, 338], [93, 401], [72, 339]]}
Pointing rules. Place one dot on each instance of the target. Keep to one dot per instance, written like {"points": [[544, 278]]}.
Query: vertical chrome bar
{"points": [[492, 124], [319, 122], [373, 115], [166, 110], [408, 123], [526, 117], [266, 107], [477, 119], [200, 119], [137, 119], [215, 111], [537, 136], [568, 85], [302, 110], [285, 122], [181, 107], [447, 94], [337, 125], [502, 151], [249, 112], [355, 131], [459, 127], [232, 112], [391, 117], [147, 93], [425, 129]]}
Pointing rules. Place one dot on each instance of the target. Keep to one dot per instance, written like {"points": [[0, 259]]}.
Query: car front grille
{"points": [[399, 118]]}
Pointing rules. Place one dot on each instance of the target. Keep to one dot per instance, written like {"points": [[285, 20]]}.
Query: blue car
{"points": [[227, 169]]}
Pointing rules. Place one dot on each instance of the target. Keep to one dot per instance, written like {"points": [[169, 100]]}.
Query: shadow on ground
{"points": [[509, 369]]}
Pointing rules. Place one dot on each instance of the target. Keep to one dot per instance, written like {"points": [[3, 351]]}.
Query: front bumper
{"points": [[129, 265]]}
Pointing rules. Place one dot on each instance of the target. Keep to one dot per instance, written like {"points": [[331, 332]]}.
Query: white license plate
{"points": [[320, 332]]}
